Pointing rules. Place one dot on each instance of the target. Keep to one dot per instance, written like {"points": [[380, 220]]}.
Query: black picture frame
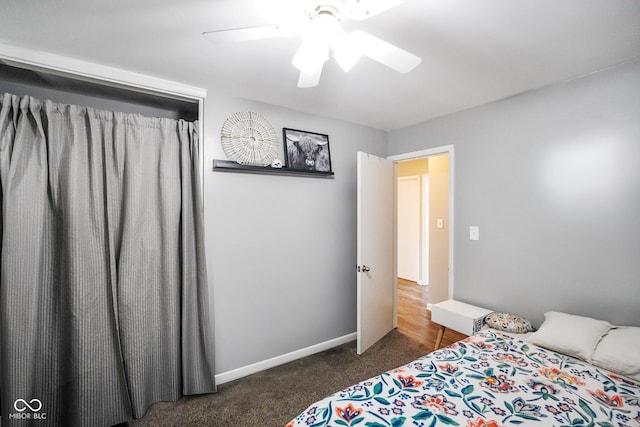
{"points": [[306, 151]]}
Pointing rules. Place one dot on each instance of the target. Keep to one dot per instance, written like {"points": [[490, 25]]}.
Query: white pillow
{"points": [[619, 352], [569, 334]]}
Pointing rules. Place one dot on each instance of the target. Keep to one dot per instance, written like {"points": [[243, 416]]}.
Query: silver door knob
{"points": [[365, 269]]}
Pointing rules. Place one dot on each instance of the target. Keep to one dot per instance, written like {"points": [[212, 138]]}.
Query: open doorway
{"points": [[423, 233], [377, 296]]}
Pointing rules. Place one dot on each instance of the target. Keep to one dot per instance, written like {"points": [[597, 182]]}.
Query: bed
{"points": [[492, 379]]}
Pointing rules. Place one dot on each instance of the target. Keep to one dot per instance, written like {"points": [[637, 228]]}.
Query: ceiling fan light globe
{"points": [[346, 60], [310, 80], [326, 26], [310, 56], [346, 51]]}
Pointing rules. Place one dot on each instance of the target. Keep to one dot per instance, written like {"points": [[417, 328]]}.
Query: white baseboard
{"points": [[234, 374]]}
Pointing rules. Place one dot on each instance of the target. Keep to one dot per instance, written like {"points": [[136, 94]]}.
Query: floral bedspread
{"points": [[488, 380]]}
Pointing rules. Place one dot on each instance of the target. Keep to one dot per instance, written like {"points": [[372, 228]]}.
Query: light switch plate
{"points": [[440, 223], [474, 232]]}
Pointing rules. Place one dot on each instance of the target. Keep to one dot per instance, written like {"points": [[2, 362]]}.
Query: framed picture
{"points": [[307, 151]]}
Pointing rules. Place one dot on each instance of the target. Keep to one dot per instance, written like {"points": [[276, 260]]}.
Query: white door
{"points": [[376, 249]]}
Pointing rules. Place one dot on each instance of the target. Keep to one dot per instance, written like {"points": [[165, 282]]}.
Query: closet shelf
{"points": [[229, 166]]}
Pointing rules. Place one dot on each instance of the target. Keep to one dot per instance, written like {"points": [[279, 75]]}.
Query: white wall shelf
{"points": [[229, 166]]}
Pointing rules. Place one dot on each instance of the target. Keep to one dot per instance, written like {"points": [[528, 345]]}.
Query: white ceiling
{"points": [[474, 51]]}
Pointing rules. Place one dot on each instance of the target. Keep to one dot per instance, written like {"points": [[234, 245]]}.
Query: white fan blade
{"points": [[249, 33], [386, 53], [363, 9], [310, 79]]}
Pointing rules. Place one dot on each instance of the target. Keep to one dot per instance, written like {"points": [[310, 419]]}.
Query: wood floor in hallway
{"points": [[413, 318]]}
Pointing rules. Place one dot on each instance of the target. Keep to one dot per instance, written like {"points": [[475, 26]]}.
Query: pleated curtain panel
{"points": [[103, 285]]}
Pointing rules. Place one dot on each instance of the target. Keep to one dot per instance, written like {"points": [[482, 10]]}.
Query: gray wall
{"points": [[281, 250], [439, 237], [552, 178], [549, 176]]}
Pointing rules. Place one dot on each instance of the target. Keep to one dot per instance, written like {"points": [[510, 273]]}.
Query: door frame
{"points": [[425, 236], [445, 149]]}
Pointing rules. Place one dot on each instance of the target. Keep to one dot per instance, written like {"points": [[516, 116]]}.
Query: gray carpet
{"points": [[274, 397]]}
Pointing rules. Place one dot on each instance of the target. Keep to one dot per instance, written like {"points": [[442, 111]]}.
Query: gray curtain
{"points": [[103, 286]]}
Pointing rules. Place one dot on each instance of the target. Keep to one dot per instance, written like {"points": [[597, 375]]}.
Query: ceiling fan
{"points": [[319, 24]]}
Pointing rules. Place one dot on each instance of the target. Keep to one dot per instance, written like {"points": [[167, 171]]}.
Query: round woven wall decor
{"points": [[249, 139]]}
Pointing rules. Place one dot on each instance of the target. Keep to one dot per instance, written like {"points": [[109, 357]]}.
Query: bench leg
{"points": [[439, 338]]}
